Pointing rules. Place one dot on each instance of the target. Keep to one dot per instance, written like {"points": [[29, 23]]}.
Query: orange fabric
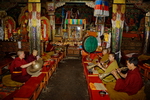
{"points": [[129, 35], [84, 53], [92, 34]]}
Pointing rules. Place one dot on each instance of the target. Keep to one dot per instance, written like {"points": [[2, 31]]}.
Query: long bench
{"points": [[91, 79], [31, 89]]}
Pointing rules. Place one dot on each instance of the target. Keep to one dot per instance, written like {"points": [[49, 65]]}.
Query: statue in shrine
{"points": [[9, 26], [44, 31], [15, 35], [45, 28], [73, 14], [24, 25], [24, 33], [25, 18], [6, 33], [9, 29]]}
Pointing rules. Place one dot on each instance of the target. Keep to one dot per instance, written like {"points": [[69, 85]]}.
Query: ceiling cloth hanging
{"points": [[101, 8]]}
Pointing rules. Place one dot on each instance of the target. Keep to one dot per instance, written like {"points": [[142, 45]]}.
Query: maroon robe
{"points": [[17, 73], [131, 84], [50, 47], [31, 58]]}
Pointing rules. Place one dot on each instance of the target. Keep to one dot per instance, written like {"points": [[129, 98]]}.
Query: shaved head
{"points": [[21, 54], [34, 52]]}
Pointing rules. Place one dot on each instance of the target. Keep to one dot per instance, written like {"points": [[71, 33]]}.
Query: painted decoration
{"points": [[50, 6], [45, 29], [117, 27], [74, 21], [135, 1], [119, 1], [9, 26]]}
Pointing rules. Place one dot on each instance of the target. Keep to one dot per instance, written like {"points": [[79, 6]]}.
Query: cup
{"points": [[102, 93]]}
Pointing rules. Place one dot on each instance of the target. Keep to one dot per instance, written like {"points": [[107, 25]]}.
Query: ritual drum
{"points": [[90, 44]]}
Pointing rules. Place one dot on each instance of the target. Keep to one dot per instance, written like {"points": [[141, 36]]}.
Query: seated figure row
{"points": [[19, 65], [121, 86]]}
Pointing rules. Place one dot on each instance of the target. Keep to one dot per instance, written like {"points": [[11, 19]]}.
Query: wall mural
{"points": [[134, 19]]}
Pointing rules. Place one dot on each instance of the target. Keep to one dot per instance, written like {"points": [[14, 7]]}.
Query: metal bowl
{"points": [[34, 69]]}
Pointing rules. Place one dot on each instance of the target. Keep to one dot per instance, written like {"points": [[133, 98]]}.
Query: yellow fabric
{"points": [[110, 77], [7, 81], [115, 95], [47, 56], [105, 57], [92, 86], [100, 71], [50, 53], [143, 57]]}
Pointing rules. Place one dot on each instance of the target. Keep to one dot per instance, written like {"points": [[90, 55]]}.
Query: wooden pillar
{"points": [[51, 11], [34, 7], [2, 16], [147, 34], [118, 17]]}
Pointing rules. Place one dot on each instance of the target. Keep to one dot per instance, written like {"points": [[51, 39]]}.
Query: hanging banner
{"points": [[118, 17], [34, 26], [75, 21]]}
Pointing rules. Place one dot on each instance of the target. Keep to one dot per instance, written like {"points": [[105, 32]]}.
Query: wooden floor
{"points": [[67, 83]]}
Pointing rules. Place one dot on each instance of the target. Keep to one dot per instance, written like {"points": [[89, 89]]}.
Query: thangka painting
{"points": [[45, 28], [9, 26]]}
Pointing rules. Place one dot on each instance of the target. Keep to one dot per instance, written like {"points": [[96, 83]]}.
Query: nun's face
{"points": [[111, 58]]}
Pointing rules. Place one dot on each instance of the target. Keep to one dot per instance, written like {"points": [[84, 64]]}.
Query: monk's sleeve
{"points": [[124, 85], [111, 67], [120, 84], [18, 63]]}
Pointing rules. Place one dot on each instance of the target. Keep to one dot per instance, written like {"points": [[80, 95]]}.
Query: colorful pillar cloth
{"points": [[101, 8]]}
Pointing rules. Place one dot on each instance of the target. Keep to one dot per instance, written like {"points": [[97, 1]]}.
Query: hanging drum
{"points": [[90, 44]]}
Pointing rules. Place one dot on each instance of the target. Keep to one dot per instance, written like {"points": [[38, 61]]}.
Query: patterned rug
{"points": [[5, 91]]}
